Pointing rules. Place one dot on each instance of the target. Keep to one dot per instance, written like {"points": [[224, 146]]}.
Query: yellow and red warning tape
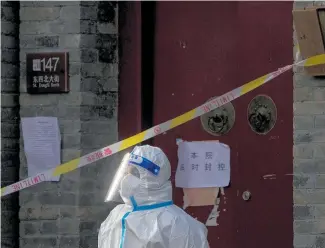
{"points": [[156, 130]]}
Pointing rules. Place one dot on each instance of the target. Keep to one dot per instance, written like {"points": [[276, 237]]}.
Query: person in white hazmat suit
{"points": [[149, 219]]}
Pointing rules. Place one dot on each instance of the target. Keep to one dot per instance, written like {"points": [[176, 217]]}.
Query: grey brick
{"points": [[10, 56], [69, 212], [9, 100], [69, 126], [9, 85], [91, 70], [309, 166], [89, 242], [70, 141], [88, 227], [99, 127], [95, 212], [9, 174], [303, 181], [319, 121], [307, 80], [319, 211], [319, 150], [29, 228], [38, 212], [10, 114], [9, 42], [303, 196], [69, 40], [303, 94], [9, 71], [320, 241], [86, 199], [307, 137], [75, 81], [34, 27], [69, 226], [49, 227], [70, 154], [9, 241], [89, 55], [10, 203], [39, 13], [8, 225], [98, 85], [87, 41], [304, 240], [304, 122], [303, 212], [49, 3], [88, 27], [69, 242], [309, 227], [9, 144], [9, 130], [303, 151], [32, 41], [50, 198], [309, 108], [106, 41], [88, 186], [320, 181], [47, 41], [107, 28], [319, 94], [29, 242], [64, 112], [97, 112], [70, 12], [74, 69], [9, 28], [88, 13], [65, 27], [104, 98], [71, 99], [107, 11], [96, 141], [70, 182], [9, 13], [9, 159]]}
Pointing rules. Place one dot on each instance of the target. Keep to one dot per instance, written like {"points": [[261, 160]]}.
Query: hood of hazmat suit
{"points": [[149, 219]]}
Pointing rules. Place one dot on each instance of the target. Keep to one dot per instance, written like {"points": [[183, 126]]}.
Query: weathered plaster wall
{"points": [[68, 213], [309, 156], [9, 120]]}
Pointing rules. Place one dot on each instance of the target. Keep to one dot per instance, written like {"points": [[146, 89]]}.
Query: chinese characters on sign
{"points": [[47, 73], [203, 164]]}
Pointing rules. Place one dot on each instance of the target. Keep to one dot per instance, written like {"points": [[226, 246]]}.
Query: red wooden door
{"points": [[204, 49]]}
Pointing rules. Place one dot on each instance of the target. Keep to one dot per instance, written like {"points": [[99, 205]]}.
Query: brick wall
{"points": [[309, 156], [9, 120], [68, 213]]}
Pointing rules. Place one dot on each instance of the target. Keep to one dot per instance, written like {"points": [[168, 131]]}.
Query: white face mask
{"points": [[129, 186]]}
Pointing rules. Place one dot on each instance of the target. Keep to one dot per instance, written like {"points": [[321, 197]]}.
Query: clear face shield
{"points": [[134, 165]]}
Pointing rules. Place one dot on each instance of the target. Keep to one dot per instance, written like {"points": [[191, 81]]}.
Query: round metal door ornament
{"points": [[219, 121], [262, 114]]}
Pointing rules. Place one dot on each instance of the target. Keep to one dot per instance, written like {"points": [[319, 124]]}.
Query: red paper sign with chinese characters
{"points": [[47, 73]]}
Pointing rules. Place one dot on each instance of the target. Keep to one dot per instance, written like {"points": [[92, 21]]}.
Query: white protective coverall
{"points": [[149, 219]]}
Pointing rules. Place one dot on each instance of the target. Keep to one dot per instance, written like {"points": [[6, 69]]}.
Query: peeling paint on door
{"points": [[213, 217]]}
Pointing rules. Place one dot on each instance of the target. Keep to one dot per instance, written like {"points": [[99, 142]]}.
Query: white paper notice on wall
{"points": [[203, 164], [42, 144]]}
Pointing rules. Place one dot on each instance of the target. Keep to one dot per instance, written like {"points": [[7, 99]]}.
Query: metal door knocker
{"points": [[262, 114], [219, 121]]}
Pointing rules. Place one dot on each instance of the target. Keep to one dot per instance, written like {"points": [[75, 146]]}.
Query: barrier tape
{"points": [[156, 130]]}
